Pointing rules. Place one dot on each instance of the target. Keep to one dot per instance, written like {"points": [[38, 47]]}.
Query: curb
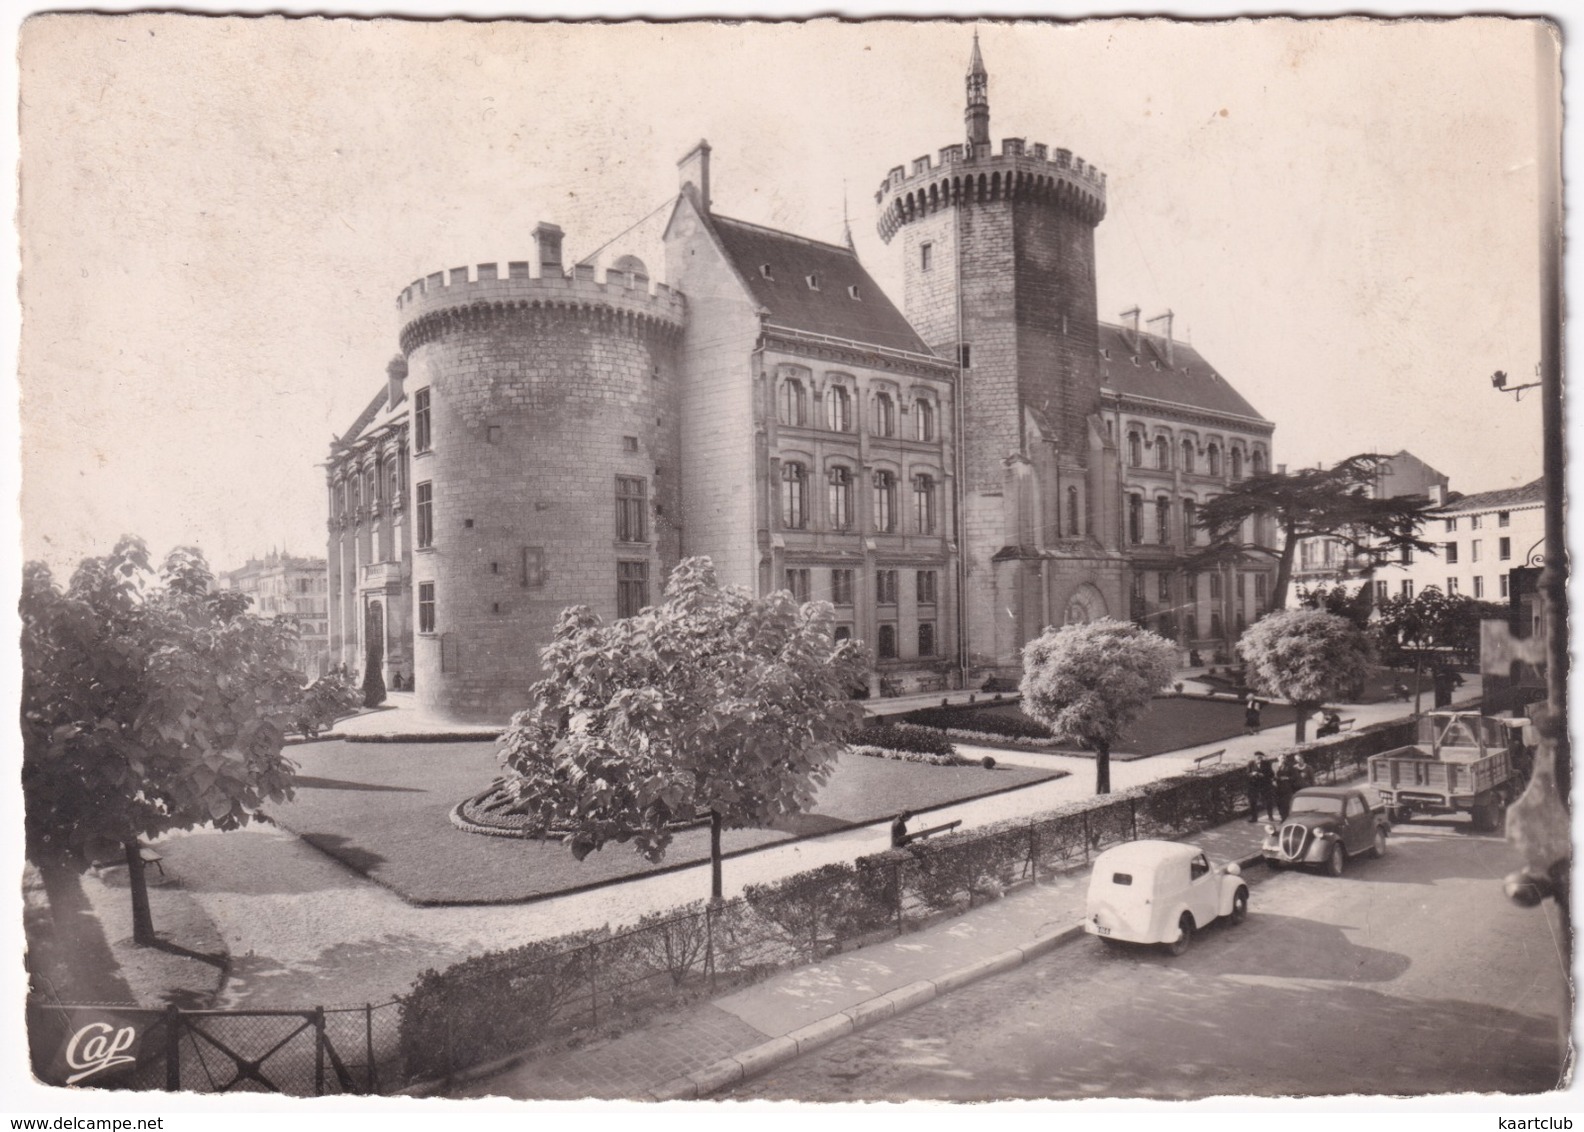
{"points": [[760, 1059]]}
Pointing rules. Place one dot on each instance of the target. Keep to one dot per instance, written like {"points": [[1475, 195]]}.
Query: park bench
{"points": [[1204, 764], [925, 833], [149, 858], [1347, 724]]}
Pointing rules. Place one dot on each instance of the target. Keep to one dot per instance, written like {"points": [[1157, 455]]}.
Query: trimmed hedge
{"points": [[911, 756], [943, 719], [904, 737]]}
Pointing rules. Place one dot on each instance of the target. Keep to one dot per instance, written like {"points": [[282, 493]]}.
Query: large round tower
{"points": [[1000, 275], [544, 463]]}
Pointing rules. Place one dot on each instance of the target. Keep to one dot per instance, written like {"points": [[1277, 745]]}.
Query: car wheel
{"points": [[1240, 906], [1185, 932], [1378, 850], [1487, 818], [1337, 861]]}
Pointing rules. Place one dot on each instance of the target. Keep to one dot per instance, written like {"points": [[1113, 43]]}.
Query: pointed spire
{"points": [[977, 116], [846, 224]]}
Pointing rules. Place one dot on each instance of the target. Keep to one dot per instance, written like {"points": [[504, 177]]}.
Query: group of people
{"points": [[1271, 785]]}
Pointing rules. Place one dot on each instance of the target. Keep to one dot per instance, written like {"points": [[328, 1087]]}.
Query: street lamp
{"points": [[1499, 383]]}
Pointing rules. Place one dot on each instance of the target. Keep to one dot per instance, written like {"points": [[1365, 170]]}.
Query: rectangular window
{"points": [[926, 587], [1504, 549], [1215, 586], [1479, 587], [1474, 549], [425, 532], [1381, 593], [797, 583], [1474, 522], [1502, 586], [1191, 587], [926, 256], [1451, 524], [1451, 553], [632, 588], [1242, 586], [421, 421], [630, 508], [426, 607], [1163, 586], [964, 357], [1407, 587], [1503, 518], [926, 638], [841, 587], [1451, 587], [1261, 590], [886, 587], [1407, 556]]}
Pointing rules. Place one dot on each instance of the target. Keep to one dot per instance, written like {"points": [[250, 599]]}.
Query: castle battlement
{"points": [[486, 287], [967, 173]]}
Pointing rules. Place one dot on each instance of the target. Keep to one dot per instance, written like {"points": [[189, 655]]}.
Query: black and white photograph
{"points": [[849, 559]]}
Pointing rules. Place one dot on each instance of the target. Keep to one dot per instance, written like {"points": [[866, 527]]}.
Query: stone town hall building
{"points": [[953, 476]]}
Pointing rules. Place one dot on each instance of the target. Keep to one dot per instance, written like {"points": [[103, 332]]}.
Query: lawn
{"points": [[1170, 724], [383, 809]]}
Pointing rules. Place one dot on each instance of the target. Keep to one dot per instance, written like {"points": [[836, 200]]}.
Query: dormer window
{"points": [[764, 272], [813, 282], [852, 292]]}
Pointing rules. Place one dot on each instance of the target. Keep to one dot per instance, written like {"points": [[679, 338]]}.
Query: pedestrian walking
{"points": [[1304, 772], [1287, 784], [1251, 716], [1261, 786], [1255, 786]]}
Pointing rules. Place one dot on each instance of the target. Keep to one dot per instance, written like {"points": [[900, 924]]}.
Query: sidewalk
{"points": [[699, 1049]]}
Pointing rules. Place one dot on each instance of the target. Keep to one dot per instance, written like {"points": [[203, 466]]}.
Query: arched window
{"points": [[1135, 450], [1162, 454], [1135, 518], [887, 642], [884, 415], [1214, 456], [1237, 463], [1072, 511], [838, 409], [1258, 462], [1190, 517], [924, 504], [1163, 520], [794, 496], [841, 499], [794, 407], [924, 419], [1188, 455], [884, 502]]}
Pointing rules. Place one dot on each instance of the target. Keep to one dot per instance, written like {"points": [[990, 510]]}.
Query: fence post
{"points": [[1033, 861], [172, 1049], [709, 943], [1086, 835], [968, 878], [319, 1050], [593, 963], [368, 1038], [450, 1051], [896, 886], [1133, 817], [814, 929]]}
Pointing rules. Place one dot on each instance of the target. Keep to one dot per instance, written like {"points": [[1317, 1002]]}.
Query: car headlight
{"points": [[1270, 829], [1324, 833]]}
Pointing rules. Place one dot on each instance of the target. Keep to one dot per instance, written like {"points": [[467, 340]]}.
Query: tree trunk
{"points": [[1300, 724], [1284, 572], [715, 856], [137, 881], [1418, 670], [1102, 768]]}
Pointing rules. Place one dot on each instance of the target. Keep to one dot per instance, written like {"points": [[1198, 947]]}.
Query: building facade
{"points": [[953, 476], [297, 589], [1479, 539]]}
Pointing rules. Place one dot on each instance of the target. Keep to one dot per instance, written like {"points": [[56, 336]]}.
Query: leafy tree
{"points": [[1314, 502], [1305, 656], [148, 704], [1356, 605], [1088, 683], [1428, 623], [713, 702]]}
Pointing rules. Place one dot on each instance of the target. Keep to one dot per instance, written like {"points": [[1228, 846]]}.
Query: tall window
{"points": [[421, 421], [1187, 456], [1242, 588], [426, 607], [1162, 454], [926, 638], [1237, 463], [924, 419], [1072, 512], [1163, 520], [926, 257], [1503, 518], [1163, 586], [884, 502], [794, 496], [884, 415], [1191, 625], [1407, 556], [1474, 550], [1261, 591], [794, 407], [1407, 587], [841, 498], [1502, 586], [1191, 587], [1135, 450], [926, 587], [924, 503], [887, 642], [1451, 524], [1474, 522], [841, 587], [1190, 517], [1504, 548], [1216, 630], [1258, 461], [425, 531], [838, 409], [1451, 587], [1381, 591], [1451, 550], [1213, 455], [797, 583], [632, 587], [1135, 518], [1479, 587], [885, 587], [630, 508]]}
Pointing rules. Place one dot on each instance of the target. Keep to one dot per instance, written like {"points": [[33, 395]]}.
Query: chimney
{"points": [[548, 237], [1164, 332], [1130, 327], [396, 374], [694, 170]]}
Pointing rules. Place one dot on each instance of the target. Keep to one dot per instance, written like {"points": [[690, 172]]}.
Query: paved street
{"points": [[1409, 975]]}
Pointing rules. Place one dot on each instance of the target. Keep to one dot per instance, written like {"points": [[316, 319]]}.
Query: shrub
{"points": [[373, 687], [820, 908], [326, 700], [988, 762], [1011, 726], [905, 737], [911, 756]]}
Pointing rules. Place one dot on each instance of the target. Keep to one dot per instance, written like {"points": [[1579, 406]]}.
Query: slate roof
{"points": [[1529, 493], [1192, 381], [871, 318]]}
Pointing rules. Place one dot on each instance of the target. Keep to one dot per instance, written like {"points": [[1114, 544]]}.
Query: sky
{"points": [[218, 213]]}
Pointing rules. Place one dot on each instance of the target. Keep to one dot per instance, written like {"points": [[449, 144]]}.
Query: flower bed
{"points": [[952, 759]]}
